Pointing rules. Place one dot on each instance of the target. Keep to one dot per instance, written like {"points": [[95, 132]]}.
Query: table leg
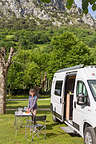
{"points": [[15, 121]]}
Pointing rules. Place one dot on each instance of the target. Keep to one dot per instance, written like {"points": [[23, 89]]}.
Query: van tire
{"points": [[89, 136], [54, 118]]}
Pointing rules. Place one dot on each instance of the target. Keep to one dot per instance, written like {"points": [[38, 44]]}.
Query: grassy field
{"points": [[15, 104], [55, 135], [25, 96]]}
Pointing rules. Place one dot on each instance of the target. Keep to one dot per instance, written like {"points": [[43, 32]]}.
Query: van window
{"points": [[58, 88], [81, 89], [92, 85]]}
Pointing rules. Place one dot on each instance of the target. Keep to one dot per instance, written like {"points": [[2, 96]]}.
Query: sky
{"points": [[79, 4]]}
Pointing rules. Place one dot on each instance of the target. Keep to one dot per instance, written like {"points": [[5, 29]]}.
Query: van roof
{"points": [[75, 68], [71, 68]]}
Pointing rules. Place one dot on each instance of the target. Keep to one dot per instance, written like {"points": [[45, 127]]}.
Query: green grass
{"points": [[9, 37], [55, 135], [15, 104], [25, 96]]}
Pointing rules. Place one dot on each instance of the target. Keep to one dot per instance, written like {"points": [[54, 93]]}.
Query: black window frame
{"points": [[57, 81], [91, 88], [87, 99]]}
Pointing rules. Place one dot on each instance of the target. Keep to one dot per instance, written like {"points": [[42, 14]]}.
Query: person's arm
{"points": [[29, 105], [34, 102]]}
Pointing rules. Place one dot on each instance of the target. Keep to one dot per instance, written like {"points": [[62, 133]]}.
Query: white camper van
{"points": [[73, 100]]}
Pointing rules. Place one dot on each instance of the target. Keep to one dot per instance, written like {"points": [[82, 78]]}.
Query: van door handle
{"points": [[60, 100], [75, 104]]}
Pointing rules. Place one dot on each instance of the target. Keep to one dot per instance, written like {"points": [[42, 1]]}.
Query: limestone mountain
{"points": [[54, 12]]}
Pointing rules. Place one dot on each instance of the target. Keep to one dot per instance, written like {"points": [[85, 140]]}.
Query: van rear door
{"points": [[58, 99]]}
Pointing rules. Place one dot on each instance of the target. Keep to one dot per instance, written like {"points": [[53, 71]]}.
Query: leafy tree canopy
{"points": [[67, 51]]}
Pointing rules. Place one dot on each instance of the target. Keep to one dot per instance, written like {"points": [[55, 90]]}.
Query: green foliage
{"points": [[94, 7], [45, 50], [31, 75], [69, 3], [85, 6], [46, 1], [68, 51]]}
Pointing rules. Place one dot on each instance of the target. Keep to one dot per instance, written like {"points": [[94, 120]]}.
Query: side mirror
{"points": [[82, 100], [57, 92]]}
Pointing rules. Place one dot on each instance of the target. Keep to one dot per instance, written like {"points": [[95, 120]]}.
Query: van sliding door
{"points": [[58, 96]]}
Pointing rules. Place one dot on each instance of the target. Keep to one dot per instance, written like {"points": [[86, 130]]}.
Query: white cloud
{"points": [[93, 13], [78, 3]]}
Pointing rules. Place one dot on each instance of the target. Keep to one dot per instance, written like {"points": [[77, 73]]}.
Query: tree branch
{"points": [[2, 56], [9, 60]]}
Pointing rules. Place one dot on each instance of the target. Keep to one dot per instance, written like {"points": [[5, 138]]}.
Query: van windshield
{"points": [[92, 85]]}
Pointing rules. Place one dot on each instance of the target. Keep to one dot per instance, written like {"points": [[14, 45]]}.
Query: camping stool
{"points": [[36, 129]]}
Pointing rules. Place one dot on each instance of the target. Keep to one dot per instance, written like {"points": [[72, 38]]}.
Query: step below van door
{"points": [[58, 99]]}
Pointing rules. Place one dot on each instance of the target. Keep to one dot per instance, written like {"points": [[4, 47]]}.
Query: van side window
{"points": [[58, 88], [81, 89]]}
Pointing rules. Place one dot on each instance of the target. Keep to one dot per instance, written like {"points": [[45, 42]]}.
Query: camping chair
{"points": [[37, 129]]}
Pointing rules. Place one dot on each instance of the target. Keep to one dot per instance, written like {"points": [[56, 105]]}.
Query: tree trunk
{"points": [[2, 92], [4, 66]]}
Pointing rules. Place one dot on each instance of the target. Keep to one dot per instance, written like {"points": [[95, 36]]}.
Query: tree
{"points": [[68, 51], [27, 70], [31, 75], [85, 4], [17, 70], [5, 62]]}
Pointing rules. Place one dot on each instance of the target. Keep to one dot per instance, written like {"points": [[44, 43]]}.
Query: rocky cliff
{"points": [[55, 12]]}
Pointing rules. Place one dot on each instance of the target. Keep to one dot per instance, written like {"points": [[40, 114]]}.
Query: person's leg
{"points": [[34, 116], [34, 112]]}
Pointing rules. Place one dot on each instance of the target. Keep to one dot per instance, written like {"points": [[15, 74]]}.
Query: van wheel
{"points": [[54, 118], [89, 136]]}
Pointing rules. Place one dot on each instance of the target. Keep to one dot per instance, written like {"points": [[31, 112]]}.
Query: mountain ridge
{"points": [[55, 12]]}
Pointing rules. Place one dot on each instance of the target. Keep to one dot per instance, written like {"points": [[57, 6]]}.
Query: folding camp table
{"points": [[19, 116]]}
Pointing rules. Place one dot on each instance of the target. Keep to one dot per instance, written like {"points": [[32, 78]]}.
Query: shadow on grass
{"points": [[12, 102], [44, 106], [26, 96], [50, 126], [10, 111], [71, 134], [10, 105], [74, 134], [43, 112], [14, 107], [51, 135]]}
